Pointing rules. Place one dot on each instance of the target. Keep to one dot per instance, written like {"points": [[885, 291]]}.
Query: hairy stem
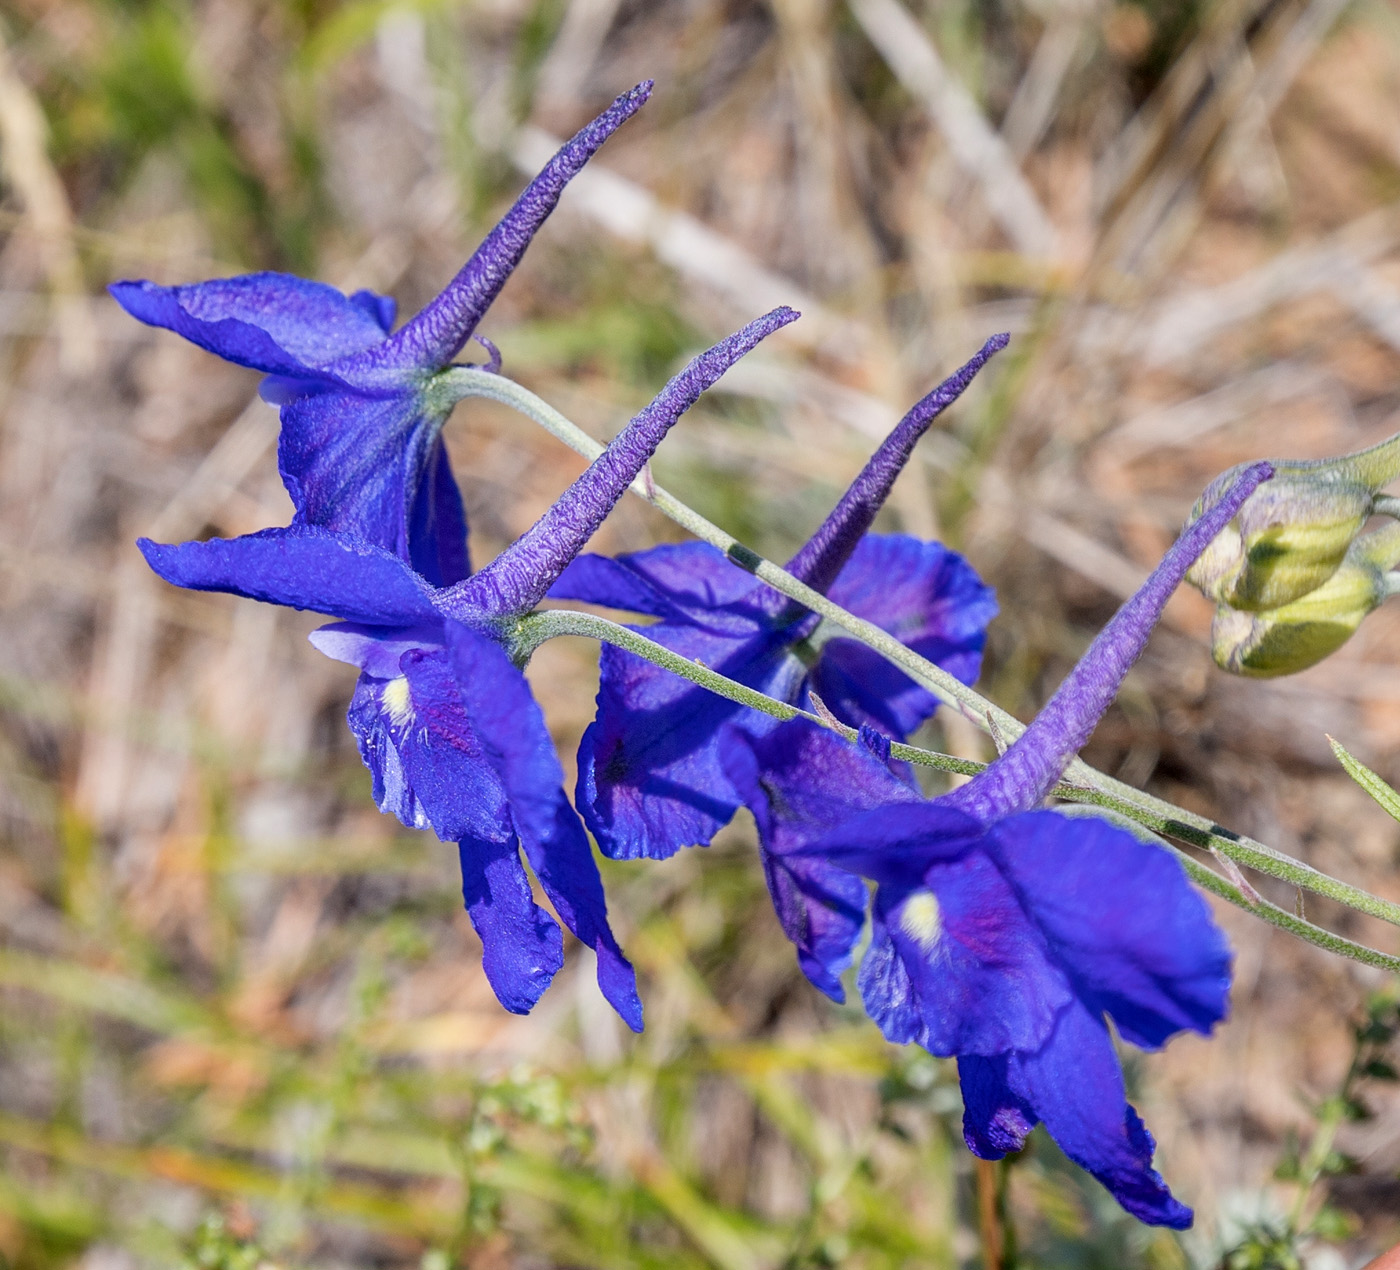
{"points": [[1080, 783], [465, 382], [531, 631]]}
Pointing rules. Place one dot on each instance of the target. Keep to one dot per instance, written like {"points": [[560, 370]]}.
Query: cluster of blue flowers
{"points": [[1002, 933]]}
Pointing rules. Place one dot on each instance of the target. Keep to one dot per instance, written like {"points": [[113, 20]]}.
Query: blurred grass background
{"points": [[243, 1020]]}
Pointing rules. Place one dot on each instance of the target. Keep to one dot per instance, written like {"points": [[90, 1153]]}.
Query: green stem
{"points": [[468, 382], [1209, 880], [1082, 783], [534, 629], [1202, 832]]}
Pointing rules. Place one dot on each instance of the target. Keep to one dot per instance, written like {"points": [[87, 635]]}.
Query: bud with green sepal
{"points": [[1292, 637], [1293, 535]]}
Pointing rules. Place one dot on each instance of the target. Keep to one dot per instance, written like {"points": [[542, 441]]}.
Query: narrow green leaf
{"points": [[1368, 780]]}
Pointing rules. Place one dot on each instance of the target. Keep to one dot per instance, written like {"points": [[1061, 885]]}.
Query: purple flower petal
{"points": [[377, 650], [1120, 916], [506, 714], [455, 742], [995, 1121], [441, 757], [522, 948], [982, 979], [273, 322], [1074, 1084], [392, 793], [899, 842], [677, 582], [651, 780], [301, 567], [376, 469], [888, 989], [801, 781], [924, 595], [651, 777], [437, 528]]}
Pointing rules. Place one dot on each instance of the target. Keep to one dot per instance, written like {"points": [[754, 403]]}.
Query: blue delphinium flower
{"points": [[1004, 933], [362, 409], [444, 718], [651, 773]]}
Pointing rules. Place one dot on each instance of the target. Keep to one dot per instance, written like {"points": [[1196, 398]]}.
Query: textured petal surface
{"points": [[441, 751], [651, 777], [927, 597], [437, 529], [455, 743], [887, 988], [689, 581], [376, 650], [393, 794], [898, 842], [981, 979], [995, 1121], [802, 781], [301, 567], [822, 910], [521, 944], [1136, 938], [1074, 1084], [272, 322], [507, 716], [368, 467]]}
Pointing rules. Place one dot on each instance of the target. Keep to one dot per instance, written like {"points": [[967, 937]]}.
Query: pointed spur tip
{"points": [[780, 317], [745, 340], [751, 334], [625, 105], [1250, 479]]}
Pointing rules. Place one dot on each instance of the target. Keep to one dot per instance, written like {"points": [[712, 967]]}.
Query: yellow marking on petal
{"points": [[922, 919], [398, 701]]}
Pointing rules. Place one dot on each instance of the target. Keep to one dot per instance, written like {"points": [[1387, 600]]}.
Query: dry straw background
{"points": [[229, 986]]}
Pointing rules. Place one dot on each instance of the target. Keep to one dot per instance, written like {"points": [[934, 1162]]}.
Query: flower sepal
{"points": [[1295, 532], [1295, 636]]}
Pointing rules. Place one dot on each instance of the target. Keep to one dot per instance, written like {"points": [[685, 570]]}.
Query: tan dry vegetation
{"points": [[227, 978]]}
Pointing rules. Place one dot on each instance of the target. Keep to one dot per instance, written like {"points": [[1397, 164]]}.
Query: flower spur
{"points": [[362, 409], [1004, 933], [443, 715], [651, 769]]}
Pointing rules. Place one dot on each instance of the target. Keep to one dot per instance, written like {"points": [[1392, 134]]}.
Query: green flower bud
{"points": [[1292, 637], [1293, 533]]}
